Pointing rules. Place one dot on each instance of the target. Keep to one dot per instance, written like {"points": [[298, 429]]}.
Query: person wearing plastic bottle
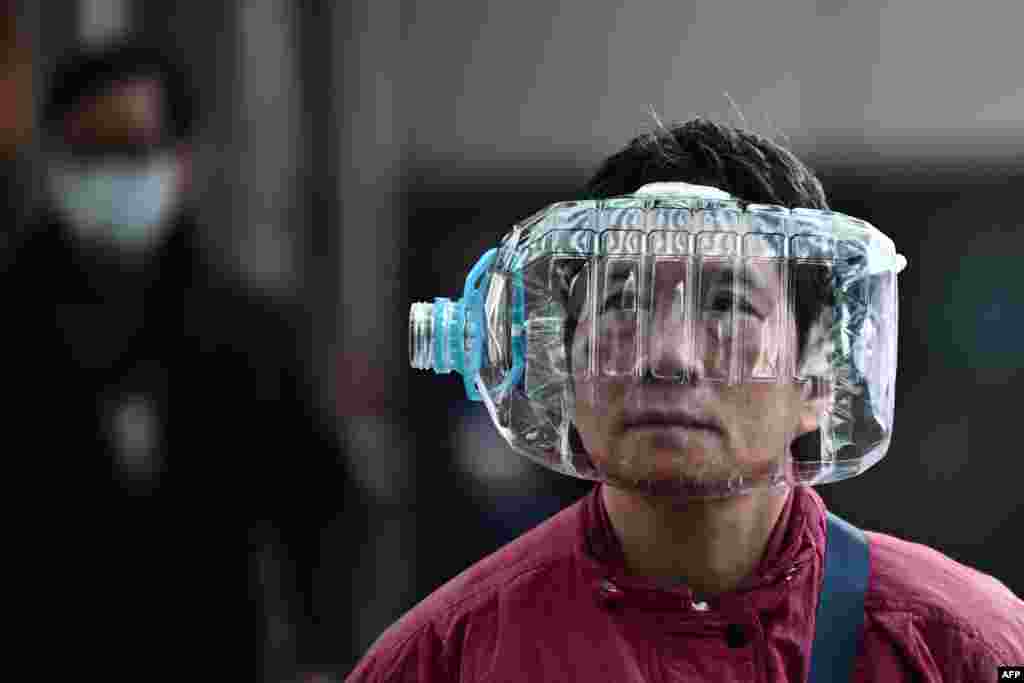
{"points": [[702, 337]]}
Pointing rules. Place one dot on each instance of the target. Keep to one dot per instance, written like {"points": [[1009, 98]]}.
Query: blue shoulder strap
{"points": [[841, 603]]}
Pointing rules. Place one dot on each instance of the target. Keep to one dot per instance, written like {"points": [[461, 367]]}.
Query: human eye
{"points": [[622, 295], [619, 300], [726, 301]]}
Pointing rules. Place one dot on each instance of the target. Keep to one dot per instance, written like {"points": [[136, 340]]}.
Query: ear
{"points": [[815, 402], [808, 420]]}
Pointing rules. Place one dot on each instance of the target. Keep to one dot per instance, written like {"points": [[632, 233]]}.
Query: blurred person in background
{"points": [[673, 567], [163, 410]]}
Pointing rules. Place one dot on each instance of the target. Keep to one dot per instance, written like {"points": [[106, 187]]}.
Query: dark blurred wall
{"points": [[503, 83], [16, 82], [16, 120]]}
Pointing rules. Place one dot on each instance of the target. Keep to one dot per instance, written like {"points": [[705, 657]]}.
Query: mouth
{"points": [[668, 420]]}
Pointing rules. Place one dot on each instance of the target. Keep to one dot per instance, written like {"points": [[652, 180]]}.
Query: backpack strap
{"points": [[840, 616]]}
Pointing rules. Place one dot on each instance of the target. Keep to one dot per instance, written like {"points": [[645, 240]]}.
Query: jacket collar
{"points": [[795, 551]]}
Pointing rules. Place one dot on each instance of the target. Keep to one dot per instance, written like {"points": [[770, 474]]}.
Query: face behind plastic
{"points": [[701, 358]]}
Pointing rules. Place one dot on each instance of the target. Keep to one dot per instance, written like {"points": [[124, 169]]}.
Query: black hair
{"points": [[748, 166], [89, 70]]}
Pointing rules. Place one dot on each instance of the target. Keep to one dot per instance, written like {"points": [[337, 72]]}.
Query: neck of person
{"points": [[119, 276], [118, 273], [709, 546]]}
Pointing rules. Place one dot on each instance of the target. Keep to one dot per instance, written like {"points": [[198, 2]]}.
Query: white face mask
{"points": [[125, 205]]}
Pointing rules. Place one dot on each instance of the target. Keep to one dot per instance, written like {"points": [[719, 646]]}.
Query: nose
{"points": [[670, 344]]}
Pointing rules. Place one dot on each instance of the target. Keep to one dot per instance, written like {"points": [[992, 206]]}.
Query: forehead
{"points": [[757, 275], [129, 112]]}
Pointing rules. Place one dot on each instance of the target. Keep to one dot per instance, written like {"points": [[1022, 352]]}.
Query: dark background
{"points": [[357, 157]]}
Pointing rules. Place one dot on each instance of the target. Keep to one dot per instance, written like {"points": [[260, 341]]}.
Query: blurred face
{"points": [[116, 178], [711, 404]]}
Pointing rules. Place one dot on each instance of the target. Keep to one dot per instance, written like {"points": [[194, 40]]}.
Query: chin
{"points": [[645, 463], [698, 471]]}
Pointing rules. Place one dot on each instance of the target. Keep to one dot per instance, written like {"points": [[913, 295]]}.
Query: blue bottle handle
{"points": [[472, 305]]}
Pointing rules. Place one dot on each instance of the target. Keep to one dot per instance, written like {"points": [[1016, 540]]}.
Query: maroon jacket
{"points": [[557, 605]]}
